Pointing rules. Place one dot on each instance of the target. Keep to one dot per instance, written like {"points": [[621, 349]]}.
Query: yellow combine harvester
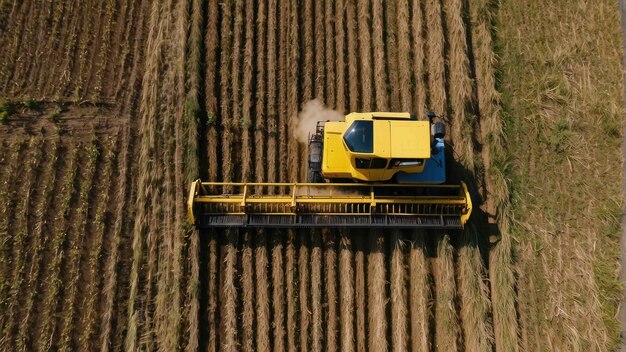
{"points": [[375, 169]]}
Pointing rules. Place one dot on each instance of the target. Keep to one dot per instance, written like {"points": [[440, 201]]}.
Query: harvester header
{"points": [[329, 205], [372, 170]]}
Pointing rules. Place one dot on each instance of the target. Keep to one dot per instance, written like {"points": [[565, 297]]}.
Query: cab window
{"points": [[360, 137]]}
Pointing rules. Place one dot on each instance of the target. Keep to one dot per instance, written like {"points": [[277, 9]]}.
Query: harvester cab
{"points": [[374, 169]]}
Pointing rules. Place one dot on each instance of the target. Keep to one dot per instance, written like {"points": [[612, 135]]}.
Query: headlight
{"points": [[409, 163]]}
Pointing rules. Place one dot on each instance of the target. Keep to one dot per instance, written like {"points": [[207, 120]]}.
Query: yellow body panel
{"points": [[395, 136]]}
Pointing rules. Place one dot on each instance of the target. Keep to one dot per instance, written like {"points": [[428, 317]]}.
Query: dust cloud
{"points": [[313, 111]]}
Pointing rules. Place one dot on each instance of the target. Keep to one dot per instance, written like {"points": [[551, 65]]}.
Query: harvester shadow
{"points": [[481, 230]]}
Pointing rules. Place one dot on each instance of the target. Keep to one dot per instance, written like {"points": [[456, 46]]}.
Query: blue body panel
{"points": [[434, 169]]}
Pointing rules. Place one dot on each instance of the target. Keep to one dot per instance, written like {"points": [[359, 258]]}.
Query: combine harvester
{"points": [[372, 170]]}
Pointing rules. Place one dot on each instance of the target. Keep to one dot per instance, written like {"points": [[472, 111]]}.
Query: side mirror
{"points": [[431, 116]]}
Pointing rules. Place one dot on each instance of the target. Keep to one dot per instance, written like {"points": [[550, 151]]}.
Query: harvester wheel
{"points": [[315, 177]]}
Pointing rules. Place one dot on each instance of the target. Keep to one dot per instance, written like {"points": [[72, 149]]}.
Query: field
{"points": [[110, 108]]}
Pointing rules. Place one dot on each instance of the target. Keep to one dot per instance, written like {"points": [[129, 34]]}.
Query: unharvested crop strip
{"points": [[212, 292], [398, 301], [16, 43], [317, 326], [272, 102], [420, 294], [293, 146], [340, 104], [105, 50], [360, 290], [192, 114], [236, 88], [68, 194], [376, 293], [304, 289], [447, 329], [76, 246], [148, 103], [291, 290], [7, 197], [474, 294], [228, 313], [261, 110], [329, 53], [365, 53], [90, 306], [403, 85], [283, 99], [330, 261], [378, 49], [211, 78], [390, 47], [247, 91], [18, 233], [52, 42], [353, 74], [112, 263], [346, 291], [85, 62], [278, 292], [459, 82], [308, 75], [40, 239], [262, 301], [418, 58], [503, 295], [226, 93], [319, 32], [247, 293], [436, 58]]}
